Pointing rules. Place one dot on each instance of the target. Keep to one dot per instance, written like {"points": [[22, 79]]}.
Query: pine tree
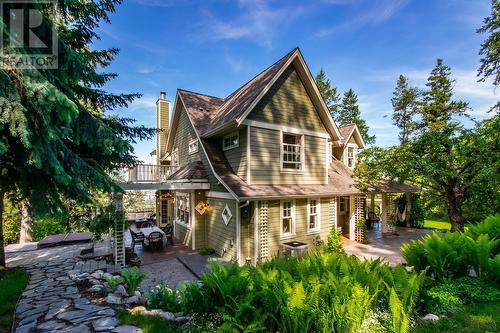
{"points": [[490, 49], [349, 114], [404, 103], [329, 93], [57, 140]]}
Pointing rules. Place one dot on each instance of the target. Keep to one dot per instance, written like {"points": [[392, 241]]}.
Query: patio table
{"points": [[149, 230]]}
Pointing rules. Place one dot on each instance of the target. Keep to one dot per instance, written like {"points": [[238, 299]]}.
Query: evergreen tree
{"points": [[442, 157], [349, 114], [329, 93], [404, 104], [57, 140], [490, 49]]}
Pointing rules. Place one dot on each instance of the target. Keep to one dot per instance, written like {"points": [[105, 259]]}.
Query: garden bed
{"points": [[12, 284]]}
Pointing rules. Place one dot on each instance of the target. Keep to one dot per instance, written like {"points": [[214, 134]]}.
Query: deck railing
{"points": [[149, 173]]}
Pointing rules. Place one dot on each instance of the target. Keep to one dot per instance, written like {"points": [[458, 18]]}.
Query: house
{"points": [[261, 167]]}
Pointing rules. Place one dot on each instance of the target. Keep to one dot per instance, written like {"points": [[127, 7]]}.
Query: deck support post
{"points": [[383, 214]]}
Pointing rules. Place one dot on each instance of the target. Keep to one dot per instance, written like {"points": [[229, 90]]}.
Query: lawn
{"points": [[476, 318], [12, 283], [437, 224], [146, 324]]}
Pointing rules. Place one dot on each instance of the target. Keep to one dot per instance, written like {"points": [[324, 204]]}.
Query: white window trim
{"points": [[302, 154], [318, 216], [177, 221], [191, 142], [355, 153], [237, 133], [290, 234]]}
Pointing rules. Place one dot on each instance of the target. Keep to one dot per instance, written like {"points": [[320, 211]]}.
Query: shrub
{"points": [[448, 296], [12, 223], [206, 251], [113, 281], [133, 277], [320, 292], [48, 225], [489, 226], [334, 242], [163, 297]]}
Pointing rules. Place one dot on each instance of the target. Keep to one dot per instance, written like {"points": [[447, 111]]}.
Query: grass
{"points": [[437, 224], [476, 318], [146, 323], [12, 284]]}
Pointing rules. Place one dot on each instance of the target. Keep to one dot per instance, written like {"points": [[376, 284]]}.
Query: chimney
{"points": [[162, 123]]}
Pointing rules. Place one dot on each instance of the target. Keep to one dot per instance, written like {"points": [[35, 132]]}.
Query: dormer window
{"points": [[351, 157], [292, 152], [231, 141], [193, 146]]}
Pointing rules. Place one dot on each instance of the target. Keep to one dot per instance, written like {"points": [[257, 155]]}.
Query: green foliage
{"points": [[206, 251], [349, 113], [147, 324], [404, 103], [449, 296], [47, 225], [133, 277], [12, 283], [12, 222], [452, 255], [490, 61], [489, 226], [163, 297], [113, 281], [441, 155], [476, 318], [329, 93], [334, 242], [320, 292]]}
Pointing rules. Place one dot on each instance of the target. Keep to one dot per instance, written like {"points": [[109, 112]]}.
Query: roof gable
{"points": [[351, 131]]}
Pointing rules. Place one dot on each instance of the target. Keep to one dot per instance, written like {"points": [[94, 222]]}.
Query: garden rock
{"points": [[127, 329], [138, 310], [99, 289], [104, 324], [114, 299], [131, 300], [431, 317], [97, 274], [181, 320], [169, 316], [120, 290]]}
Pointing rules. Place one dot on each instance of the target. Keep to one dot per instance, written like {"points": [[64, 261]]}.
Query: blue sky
{"points": [[213, 47]]}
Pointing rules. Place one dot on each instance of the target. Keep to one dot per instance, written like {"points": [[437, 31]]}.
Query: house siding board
{"points": [[301, 220], [214, 182], [265, 160], [183, 234], [237, 157], [247, 230], [219, 235], [287, 103], [200, 235], [184, 134]]}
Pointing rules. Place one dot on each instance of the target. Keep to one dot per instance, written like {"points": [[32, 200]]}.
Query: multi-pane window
{"points": [[351, 155], [292, 152], [287, 218], [313, 215], [193, 146], [183, 208], [230, 141]]}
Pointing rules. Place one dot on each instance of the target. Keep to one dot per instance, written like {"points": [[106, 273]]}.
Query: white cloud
{"points": [[146, 102], [235, 64], [258, 22], [377, 12]]}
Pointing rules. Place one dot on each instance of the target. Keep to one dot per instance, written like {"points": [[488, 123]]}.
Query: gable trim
{"points": [[293, 130], [206, 155], [357, 136], [323, 110], [175, 122]]}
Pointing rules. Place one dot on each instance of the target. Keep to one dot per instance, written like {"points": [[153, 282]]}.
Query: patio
{"points": [[384, 245]]}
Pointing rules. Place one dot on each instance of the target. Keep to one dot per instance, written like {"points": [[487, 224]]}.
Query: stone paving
{"points": [[52, 303], [384, 246]]}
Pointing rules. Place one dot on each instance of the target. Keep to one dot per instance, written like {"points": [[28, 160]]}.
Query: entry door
{"points": [[163, 219], [343, 214]]}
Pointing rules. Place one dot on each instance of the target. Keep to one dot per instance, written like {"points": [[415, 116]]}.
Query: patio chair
{"points": [[168, 229], [147, 224], [372, 220], [155, 240], [137, 238]]}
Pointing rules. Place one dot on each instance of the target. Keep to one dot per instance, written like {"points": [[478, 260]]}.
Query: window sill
{"points": [[229, 148], [292, 171], [182, 224], [313, 231], [285, 237]]}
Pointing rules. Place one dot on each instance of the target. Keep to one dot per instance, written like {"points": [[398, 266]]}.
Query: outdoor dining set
{"points": [[150, 236]]}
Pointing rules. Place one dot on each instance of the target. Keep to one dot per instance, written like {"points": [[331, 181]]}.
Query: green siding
{"points": [[183, 135], [221, 237], [301, 220], [265, 159], [237, 157], [288, 104]]}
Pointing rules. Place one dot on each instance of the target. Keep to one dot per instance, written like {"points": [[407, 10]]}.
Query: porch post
{"points": [[352, 217], [383, 214], [372, 202], [118, 229]]}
